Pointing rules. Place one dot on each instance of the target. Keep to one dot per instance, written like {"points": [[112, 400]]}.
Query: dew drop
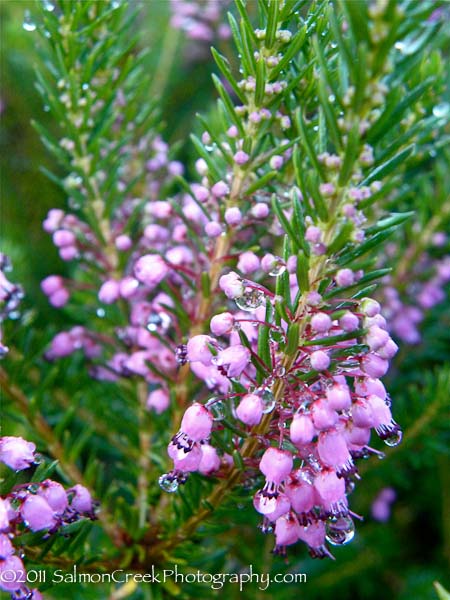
{"points": [[28, 23], [393, 438], [159, 321], [216, 408], [339, 531], [441, 110], [85, 86], [48, 5], [100, 312], [276, 335], [250, 300], [33, 488], [280, 371], [331, 98], [168, 483], [268, 399], [278, 267], [74, 204]]}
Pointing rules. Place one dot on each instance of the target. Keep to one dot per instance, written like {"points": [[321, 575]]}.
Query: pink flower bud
{"points": [[197, 422], [338, 397], [370, 307], [220, 189], [123, 243], [301, 430], [59, 298], [376, 337], [232, 285], [16, 452], [302, 495], [344, 277], [313, 234], [198, 349], [374, 365], [276, 162], [213, 229], [250, 409], [53, 220], [64, 237], [12, 573], [109, 292], [233, 216], [320, 361], [158, 400], [321, 322], [248, 263], [332, 450], [61, 345], [323, 415], [37, 513], [260, 210], [241, 157], [68, 252], [330, 487], [200, 192], [81, 500], [210, 460], [381, 413], [276, 464], [51, 284], [287, 530], [349, 322], [235, 359], [222, 324], [128, 287], [150, 269], [185, 461], [367, 386], [55, 495]]}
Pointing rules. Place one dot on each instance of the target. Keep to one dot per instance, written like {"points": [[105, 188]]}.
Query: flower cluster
{"points": [[10, 296], [37, 507], [200, 20], [316, 428], [417, 290]]}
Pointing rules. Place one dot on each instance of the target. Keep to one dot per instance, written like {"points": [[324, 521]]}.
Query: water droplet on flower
{"points": [[38, 459], [100, 312], [250, 300], [278, 267], [33, 488], [159, 322], [280, 371], [28, 23], [441, 110], [48, 5], [339, 531], [276, 334], [216, 408], [393, 438], [168, 483], [268, 399]]}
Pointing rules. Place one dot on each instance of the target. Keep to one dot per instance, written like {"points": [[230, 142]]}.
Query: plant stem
{"points": [[144, 455], [56, 450]]}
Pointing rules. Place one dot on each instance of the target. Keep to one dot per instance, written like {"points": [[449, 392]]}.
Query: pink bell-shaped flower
{"points": [[250, 409], [37, 514]]}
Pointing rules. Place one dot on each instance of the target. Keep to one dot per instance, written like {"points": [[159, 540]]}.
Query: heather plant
{"points": [[227, 310]]}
